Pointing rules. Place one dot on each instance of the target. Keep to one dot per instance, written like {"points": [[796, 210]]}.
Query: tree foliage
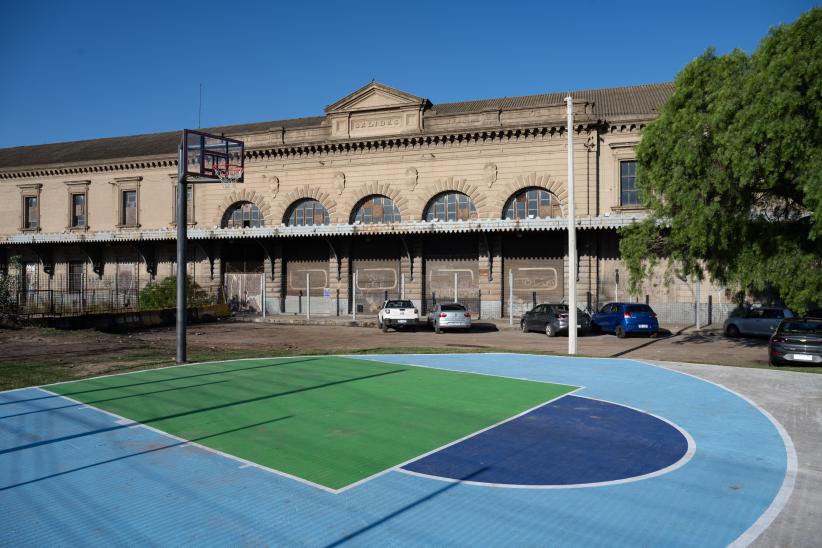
{"points": [[731, 171]]}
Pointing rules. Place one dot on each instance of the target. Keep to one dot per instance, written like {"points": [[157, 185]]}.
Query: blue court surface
{"points": [[639, 455]]}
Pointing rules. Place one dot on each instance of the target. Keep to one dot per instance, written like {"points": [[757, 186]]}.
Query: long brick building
{"points": [[415, 198]]}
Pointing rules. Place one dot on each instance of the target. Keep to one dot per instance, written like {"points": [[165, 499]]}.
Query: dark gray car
{"points": [[552, 319], [796, 341]]}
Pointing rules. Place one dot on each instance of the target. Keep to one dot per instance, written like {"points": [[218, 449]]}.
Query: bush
{"points": [[164, 295]]}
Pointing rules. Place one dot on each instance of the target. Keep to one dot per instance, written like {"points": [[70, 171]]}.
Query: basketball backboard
{"points": [[211, 158]]}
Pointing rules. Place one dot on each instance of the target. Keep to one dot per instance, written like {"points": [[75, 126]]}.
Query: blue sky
{"points": [[81, 69]]}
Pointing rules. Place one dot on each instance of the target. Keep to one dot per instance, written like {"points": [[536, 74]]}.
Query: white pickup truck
{"points": [[397, 314]]}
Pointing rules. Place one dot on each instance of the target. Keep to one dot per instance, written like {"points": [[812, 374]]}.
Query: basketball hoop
{"points": [[228, 174]]}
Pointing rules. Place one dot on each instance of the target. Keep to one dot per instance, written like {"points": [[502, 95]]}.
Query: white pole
{"points": [[354, 297], [264, 301], [307, 296], [511, 297], [572, 236], [455, 288]]}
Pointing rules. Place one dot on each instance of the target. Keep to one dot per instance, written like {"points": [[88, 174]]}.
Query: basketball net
{"points": [[228, 174]]}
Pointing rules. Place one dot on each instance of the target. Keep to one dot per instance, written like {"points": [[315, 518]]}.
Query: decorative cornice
{"points": [[326, 147]]}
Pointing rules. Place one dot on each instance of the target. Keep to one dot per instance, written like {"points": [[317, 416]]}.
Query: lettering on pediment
{"points": [[375, 110]]}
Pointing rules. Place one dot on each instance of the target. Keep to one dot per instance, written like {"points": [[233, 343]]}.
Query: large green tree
{"points": [[731, 170]]}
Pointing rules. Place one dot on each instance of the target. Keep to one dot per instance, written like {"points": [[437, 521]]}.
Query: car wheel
{"points": [[620, 332], [523, 327], [549, 330], [732, 331], [437, 329], [384, 327]]}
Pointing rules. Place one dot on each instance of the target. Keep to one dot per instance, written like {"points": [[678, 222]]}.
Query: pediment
{"points": [[375, 96]]}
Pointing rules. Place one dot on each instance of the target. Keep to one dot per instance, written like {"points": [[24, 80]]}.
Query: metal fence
{"points": [[76, 297]]}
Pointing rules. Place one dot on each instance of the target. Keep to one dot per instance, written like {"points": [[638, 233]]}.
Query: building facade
{"points": [[386, 194]]}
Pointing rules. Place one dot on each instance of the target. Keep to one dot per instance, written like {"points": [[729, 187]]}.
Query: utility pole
{"points": [[182, 281], [572, 236]]}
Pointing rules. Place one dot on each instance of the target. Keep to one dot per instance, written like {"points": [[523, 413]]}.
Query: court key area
{"points": [[393, 449]]}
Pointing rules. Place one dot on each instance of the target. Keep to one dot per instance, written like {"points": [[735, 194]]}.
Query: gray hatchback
{"points": [[553, 319]]}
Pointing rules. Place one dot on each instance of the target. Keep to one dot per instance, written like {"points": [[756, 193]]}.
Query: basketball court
{"points": [[392, 449]]}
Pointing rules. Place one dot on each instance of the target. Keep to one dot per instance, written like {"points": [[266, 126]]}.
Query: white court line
{"points": [[204, 447], [792, 465], [397, 467], [682, 461], [308, 482]]}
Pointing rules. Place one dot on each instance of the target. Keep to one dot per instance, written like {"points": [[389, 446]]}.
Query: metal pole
{"points": [[402, 285], [572, 236], [307, 296], [698, 319], [182, 224], [354, 297], [264, 300], [511, 297], [455, 288]]}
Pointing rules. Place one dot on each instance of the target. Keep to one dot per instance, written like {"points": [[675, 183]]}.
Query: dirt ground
{"points": [[88, 352]]}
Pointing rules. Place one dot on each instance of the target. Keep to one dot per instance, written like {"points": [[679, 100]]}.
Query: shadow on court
{"points": [[147, 451], [201, 410]]}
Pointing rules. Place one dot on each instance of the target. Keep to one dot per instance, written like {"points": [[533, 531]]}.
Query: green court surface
{"points": [[330, 420]]}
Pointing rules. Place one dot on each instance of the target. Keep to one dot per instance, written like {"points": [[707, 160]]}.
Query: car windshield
{"points": [[802, 327], [451, 307], [399, 304], [639, 308]]}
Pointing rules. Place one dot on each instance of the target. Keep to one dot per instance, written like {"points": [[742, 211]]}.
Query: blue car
{"points": [[624, 318]]}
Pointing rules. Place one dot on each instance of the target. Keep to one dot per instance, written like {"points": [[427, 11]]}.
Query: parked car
{"points": [[796, 341], [396, 314], [449, 316], [759, 320], [552, 319], [624, 318]]}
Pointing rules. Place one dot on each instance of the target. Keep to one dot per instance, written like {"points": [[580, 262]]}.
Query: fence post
{"points": [[307, 296], [354, 298], [479, 304], [402, 285], [533, 299], [710, 309], [456, 300], [697, 316], [265, 303], [338, 301], [588, 301], [300, 303], [511, 297]]}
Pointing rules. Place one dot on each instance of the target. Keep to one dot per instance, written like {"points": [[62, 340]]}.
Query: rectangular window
{"points": [[627, 183], [189, 204], [75, 276], [78, 210], [31, 213], [129, 208]]}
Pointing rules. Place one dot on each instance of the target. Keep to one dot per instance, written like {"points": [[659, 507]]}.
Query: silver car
{"points": [[449, 316], [759, 320]]}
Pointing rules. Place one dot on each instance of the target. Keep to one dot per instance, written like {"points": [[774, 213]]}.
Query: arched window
{"points": [[532, 203], [306, 213], [243, 215], [377, 209], [450, 206]]}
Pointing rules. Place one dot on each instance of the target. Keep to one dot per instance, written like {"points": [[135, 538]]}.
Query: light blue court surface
{"points": [[79, 476]]}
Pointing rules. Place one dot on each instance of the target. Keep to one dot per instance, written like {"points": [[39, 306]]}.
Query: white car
{"points": [[449, 316], [397, 314]]}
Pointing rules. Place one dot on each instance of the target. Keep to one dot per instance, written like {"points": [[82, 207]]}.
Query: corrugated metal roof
{"points": [[408, 227], [638, 100]]}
